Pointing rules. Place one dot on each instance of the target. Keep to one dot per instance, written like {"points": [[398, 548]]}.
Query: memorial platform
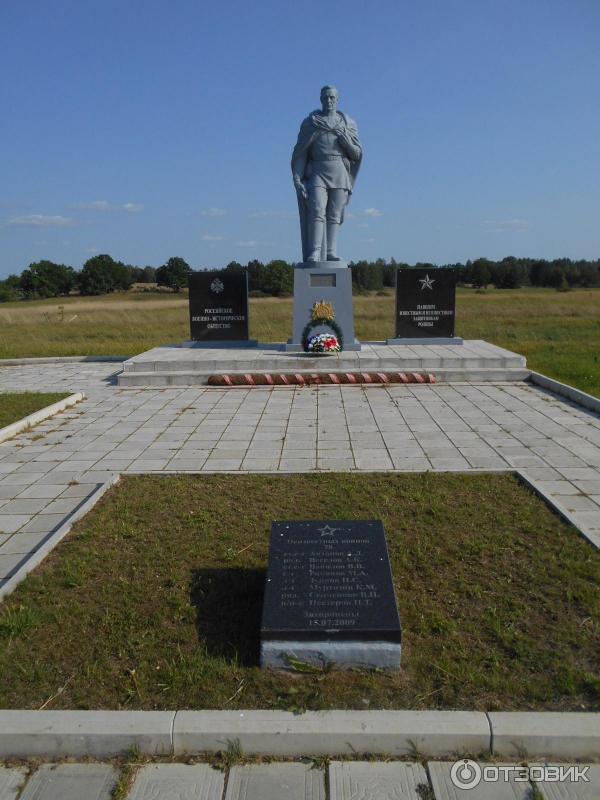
{"points": [[190, 364]]}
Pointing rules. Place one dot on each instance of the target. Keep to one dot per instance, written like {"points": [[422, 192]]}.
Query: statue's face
{"points": [[329, 101]]}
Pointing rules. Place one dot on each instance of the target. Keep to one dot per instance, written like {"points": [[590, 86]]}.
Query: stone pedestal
{"points": [[323, 280]]}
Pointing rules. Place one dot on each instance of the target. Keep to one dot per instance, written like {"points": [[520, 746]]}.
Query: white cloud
{"points": [[506, 225], [104, 205], [271, 215], [91, 250], [214, 212], [208, 238], [372, 212], [368, 241], [40, 221]]}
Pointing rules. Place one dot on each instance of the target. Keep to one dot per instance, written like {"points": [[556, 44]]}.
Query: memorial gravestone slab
{"points": [[329, 596], [425, 306], [219, 307]]}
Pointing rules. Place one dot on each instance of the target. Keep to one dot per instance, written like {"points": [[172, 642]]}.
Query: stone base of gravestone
{"points": [[343, 655], [426, 340], [323, 280], [329, 597]]}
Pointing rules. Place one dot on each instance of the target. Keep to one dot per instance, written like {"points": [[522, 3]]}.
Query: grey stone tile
{"points": [[11, 781], [350, 780], [588, 487], [43, 523], [368, 463], [336, 464], [177, 782], [187, 464], [410, 464], [222, 464], [260, 464], [78, 490], [573, 790], [297, 464], [575, 502], [588, 519], [9, 523], [64, 505], [21, 543], [148, 464], [444, 789], [20, 506], [9, 562], [286, 781], [450, 464], [558, 487], [71, 782], [22, 479], [42, 492]]}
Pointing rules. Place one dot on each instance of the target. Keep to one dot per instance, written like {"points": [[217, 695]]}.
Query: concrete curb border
{"points": [[576, 396], [39, 416], [23, 362], [53, 539], [105, 734]]}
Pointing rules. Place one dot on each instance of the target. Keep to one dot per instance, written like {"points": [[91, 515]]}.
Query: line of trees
{"points": [[102, 275]]}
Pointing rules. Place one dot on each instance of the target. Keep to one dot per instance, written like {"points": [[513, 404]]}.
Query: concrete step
{"points": [[295, 363], [199, 378]]}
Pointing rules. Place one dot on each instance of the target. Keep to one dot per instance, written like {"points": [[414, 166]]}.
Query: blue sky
{"points": [[147, 129]]}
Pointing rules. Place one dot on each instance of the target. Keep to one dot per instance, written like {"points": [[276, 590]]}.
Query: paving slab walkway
{"points": [[51, 471], [342, 780]]}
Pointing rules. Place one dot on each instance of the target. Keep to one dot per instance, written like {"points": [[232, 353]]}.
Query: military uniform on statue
{"points": [[325, 163]]}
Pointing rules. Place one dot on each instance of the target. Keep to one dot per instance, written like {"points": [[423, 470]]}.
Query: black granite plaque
{"points": [[218, 306], [329, 581], [425, 302]]}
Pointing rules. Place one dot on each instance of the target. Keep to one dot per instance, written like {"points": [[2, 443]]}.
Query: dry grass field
{"points": [[559, 333]]}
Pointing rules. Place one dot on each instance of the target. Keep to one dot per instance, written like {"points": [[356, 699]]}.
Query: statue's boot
{"points": [[316, 241], [332, 231]]}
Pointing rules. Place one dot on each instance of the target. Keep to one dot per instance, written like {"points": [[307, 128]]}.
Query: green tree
{"points": [[174, 274], [47, 279], [481, 272], [279, 278], [102, 274]]}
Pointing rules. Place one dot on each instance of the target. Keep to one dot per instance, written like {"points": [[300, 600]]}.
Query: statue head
{"points": [[329, 98]]}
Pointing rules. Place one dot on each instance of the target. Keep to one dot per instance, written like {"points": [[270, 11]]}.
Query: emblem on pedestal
{"points": [[322, 310]]}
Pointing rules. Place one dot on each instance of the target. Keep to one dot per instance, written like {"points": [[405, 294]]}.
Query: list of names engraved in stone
{"points": [[335, 578]]}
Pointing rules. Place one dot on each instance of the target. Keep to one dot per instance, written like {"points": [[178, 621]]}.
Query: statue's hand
{"points": [[301, 190]]}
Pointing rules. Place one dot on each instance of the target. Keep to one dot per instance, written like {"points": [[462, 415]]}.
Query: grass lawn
{"points": [[154, 599], [559, 333], [16, 405]]}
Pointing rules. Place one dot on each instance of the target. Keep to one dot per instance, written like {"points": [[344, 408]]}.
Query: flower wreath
{"points": [[314, 323]]}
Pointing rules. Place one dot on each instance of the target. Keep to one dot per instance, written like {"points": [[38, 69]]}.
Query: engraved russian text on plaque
{"points": [[218, 306], [329, 596], [425, 302]]}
